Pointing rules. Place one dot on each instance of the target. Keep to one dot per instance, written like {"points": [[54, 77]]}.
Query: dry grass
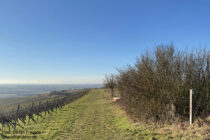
{"points": [[200, 129]]}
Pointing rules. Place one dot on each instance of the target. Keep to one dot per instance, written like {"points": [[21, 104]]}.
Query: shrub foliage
{"points": [[157, 86]]}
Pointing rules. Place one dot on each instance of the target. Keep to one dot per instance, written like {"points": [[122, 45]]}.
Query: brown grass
{"points": [[200, 129]]}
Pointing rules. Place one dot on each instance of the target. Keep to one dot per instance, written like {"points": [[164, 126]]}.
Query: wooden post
{"points": [[30, 114], [16, 117], [2, 126], [38, 110], [191, 94], [8, 127], [54, 104], [46, 108], [63, 101]]}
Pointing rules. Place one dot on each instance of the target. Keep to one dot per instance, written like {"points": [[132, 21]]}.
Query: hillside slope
{"points": [[93, 116]]}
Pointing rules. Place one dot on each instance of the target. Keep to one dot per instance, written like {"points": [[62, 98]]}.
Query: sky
{"points": [[79, 41]]}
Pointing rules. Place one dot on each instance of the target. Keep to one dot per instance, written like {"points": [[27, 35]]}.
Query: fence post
{"points": [[191, 97], [38, 110], [46, 108], [63, 101], [2, 126], [16, 117], [8, 127], [30, 116], [54, 104]]}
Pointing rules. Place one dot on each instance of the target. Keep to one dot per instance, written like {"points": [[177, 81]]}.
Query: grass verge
{"points": [[93, 116]]}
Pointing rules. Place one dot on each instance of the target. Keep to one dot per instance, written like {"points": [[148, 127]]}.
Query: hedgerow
{"points": [[157, 86]]}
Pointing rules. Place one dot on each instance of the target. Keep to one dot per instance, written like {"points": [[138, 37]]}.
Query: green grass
{"points": [[92, 116]]}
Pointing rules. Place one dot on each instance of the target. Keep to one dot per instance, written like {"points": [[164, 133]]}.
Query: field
{"points": [[93, 116]]}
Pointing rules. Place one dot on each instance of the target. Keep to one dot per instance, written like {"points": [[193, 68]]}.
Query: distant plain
{"points": [[17, 93]]}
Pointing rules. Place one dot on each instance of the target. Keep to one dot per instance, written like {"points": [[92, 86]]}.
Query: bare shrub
{"points": [[157, 86]]}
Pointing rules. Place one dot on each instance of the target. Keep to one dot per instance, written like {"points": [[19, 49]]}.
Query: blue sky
{"points": [[79, 41]]}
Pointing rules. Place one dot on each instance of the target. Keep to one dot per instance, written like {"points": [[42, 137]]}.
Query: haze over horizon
{"points": [[78, 42]]}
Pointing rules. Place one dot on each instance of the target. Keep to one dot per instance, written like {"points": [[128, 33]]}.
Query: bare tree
{"points": [[110, 82]]}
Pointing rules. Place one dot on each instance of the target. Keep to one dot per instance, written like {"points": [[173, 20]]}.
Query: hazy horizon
{"points": [[92, 80], [23, 90]]}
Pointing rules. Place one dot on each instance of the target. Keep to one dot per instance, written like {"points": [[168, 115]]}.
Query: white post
{"points": [[191, 94]]}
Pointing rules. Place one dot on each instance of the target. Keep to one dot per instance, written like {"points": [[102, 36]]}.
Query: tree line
{"points": [[157, 86]]}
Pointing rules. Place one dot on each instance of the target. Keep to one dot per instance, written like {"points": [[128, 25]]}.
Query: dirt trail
{"points": [[90, 117]]}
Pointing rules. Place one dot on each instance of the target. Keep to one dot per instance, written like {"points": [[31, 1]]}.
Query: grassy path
{"points": [[90, 117]]}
